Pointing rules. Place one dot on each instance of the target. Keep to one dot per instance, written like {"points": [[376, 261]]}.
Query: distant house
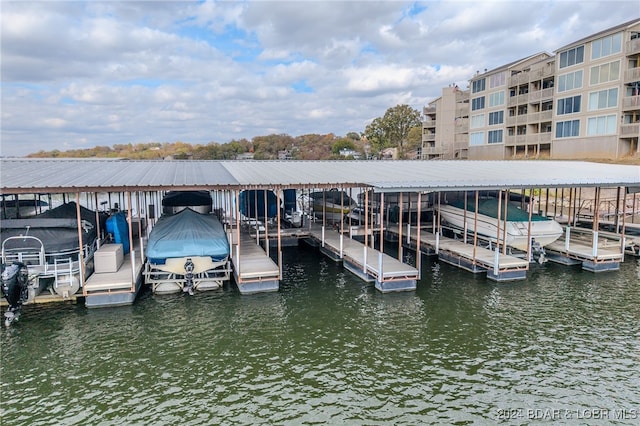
{"points": [[245, 156], [284, 155], [345, 152], [389, 154]]}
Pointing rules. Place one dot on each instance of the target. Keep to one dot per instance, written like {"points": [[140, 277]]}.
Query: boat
{"points": [[187, 250], [252, 204], [334, 204], [19, 208], [291, 211], [393, 205], [176, 201], [544, 231], [48, 244]]}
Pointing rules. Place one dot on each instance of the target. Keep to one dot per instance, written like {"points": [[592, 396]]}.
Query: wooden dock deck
{"points": [[115, 288], [253, 270], [498, 266], [388, 274], [577, 246]]}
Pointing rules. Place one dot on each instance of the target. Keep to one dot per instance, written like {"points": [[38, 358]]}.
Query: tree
{"points": [[392, 130]]}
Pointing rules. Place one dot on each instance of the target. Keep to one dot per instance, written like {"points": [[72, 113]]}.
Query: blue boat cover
{"points": [[118, 227], [187, 233]]}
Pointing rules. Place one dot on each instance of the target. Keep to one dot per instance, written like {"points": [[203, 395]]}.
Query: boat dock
{"points": [[475, 259], [108, 188], [254, 271], [388, 274], [586, 247], [118, 284]]}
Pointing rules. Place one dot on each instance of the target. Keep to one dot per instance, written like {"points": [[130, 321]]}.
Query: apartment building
{"points": [[583, 102]]}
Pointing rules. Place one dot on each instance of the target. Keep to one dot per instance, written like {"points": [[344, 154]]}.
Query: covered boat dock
{"points": [[142, 181]]}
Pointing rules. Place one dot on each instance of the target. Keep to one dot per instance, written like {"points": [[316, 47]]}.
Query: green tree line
{"points": [[400, 127]]}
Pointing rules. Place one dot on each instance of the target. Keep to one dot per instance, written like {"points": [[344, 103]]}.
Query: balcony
{"points": [[529, 139], [428, 137], [428, 123], [429, 110], [630, 130], [633, 46], [433, 150], [631, 75], [540, 95], [631, 102]]}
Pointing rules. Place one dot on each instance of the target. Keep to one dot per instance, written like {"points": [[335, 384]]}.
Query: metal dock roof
{"points": [[21, 175]]}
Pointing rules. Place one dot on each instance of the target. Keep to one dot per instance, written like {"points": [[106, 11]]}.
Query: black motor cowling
{"points": [[15, 280]]}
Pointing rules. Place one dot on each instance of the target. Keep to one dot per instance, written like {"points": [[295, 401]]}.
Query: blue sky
{"points": [[81, 74]]}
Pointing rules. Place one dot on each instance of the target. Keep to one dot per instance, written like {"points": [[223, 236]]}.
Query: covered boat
{"points": [[335, 204], [48, 244], [544, 230], [187, 251]]}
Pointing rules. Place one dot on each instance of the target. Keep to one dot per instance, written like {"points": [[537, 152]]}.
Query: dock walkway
{"points": [[388, 273], [253, 270], [115, 288], [498, 266]]}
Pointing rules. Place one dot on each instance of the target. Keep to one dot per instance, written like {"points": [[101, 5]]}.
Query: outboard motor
{"points": [[188, 276], [15, 278]]}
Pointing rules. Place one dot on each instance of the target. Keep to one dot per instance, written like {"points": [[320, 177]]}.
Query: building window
{"points": [[498, 80], [477, 103], [496, 99], [567, 129], [476, 139], [496, 118], [477, 121], [603, 99], [572, 57], [605, 73], [478, 86], [606, 46], [603, 125], [495, 136], [570, 81], [569, 105]]}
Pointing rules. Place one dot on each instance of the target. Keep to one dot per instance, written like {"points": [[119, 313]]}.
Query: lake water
{"points": [[329, 349]]}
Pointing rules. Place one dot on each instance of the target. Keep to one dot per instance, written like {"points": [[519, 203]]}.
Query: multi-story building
{"points": [[584, 102], [448, 118]]}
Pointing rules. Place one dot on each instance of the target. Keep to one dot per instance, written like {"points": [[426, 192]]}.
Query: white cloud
{"points": [[80, 74]]}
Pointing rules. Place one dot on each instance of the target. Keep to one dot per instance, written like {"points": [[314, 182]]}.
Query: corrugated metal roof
{"points": [[70, 175]]}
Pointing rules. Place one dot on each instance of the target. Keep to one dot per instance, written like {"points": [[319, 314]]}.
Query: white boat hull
{"points": [[517, 233]]}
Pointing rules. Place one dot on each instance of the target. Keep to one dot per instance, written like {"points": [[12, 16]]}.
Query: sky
{"points": [[78, 74]]}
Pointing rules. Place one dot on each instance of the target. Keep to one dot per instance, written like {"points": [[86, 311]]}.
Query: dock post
{"points": [[380, 273], [341, 244], [496, 261], [594, 247], [409, 234], [322, 236], [364, 260], [437, 243], [567, 237]]}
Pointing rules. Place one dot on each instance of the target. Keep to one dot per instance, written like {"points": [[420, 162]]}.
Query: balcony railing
{"points": [[633, 46], [533, 138], [433, 150], [428, 137], [631, 75], [627, 130], [631, 102]]}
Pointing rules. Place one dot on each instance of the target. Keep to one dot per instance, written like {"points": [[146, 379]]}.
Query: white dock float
{"points": [[595, 254], [118, 288], [498, 266], [388, 274], [253, 270]]}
